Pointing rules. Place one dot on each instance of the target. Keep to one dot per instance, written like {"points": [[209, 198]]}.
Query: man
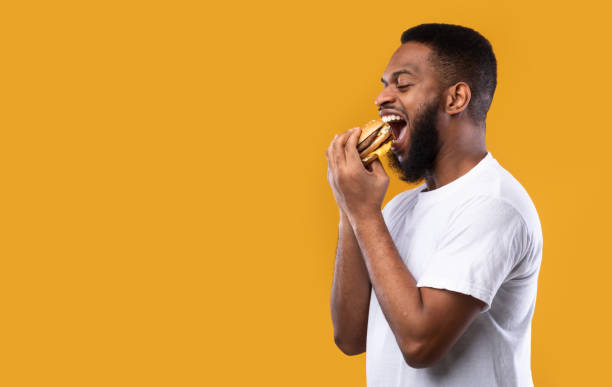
{"points": [[439, 288]]}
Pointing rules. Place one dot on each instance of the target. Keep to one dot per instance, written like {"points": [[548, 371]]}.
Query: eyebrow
{"points": [[396, 73]]}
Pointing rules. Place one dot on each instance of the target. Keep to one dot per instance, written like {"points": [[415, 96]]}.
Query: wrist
{"points": [[365, 219]]}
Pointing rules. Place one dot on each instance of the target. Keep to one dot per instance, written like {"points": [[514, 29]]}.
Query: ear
{"points": [[457, 98]]}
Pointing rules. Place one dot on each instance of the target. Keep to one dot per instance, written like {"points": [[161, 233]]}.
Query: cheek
{"points": [[410, 99], [415, 99]]}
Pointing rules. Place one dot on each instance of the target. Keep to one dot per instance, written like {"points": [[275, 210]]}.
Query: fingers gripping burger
{"points": [[375, 140]]}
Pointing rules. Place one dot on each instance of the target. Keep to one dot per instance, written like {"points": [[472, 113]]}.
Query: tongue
{"points": [[397, 127], [400, 133]]}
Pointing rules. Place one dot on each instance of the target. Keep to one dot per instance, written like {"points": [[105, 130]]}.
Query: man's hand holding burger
{"points": [[366, 256], [359, 192]]}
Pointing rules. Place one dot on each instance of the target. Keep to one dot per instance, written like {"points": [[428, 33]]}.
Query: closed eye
{"points": [[403, 86]]}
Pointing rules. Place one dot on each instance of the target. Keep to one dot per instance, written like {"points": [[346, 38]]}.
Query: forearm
{"points": [[394, 285], [350, 296]]}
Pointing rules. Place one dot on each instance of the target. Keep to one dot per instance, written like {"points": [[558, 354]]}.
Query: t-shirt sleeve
{"points": [[482, 243]]}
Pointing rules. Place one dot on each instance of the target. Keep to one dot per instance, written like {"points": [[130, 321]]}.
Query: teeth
{"points": [[390, 118]]}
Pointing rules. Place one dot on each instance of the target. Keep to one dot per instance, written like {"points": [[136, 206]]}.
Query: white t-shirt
{"points": [[478, 235]]}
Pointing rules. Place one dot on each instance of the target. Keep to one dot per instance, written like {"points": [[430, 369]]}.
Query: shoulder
{"points": [[514, 194], [488, 213], [496, 192], [495, 226]]}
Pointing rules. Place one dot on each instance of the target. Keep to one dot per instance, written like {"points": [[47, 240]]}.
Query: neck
{"points": [[457, 156]]}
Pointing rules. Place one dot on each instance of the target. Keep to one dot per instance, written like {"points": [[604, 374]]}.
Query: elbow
{"points": [[420, 355], [415, 361], [350, 348]]}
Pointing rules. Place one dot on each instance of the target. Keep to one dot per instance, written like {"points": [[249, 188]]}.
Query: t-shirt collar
{"points": [[441, 192]]}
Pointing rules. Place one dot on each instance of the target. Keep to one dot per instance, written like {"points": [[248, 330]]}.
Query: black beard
{"points": [[423, 148]]}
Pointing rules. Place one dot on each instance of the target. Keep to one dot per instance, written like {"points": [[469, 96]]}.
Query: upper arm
{"points": [[446, 316]]}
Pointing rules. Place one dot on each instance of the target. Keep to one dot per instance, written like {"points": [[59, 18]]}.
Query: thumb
{"points": [[351, 144]]}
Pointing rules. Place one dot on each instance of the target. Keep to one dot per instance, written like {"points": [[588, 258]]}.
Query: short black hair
{"points": [[460, 54]]}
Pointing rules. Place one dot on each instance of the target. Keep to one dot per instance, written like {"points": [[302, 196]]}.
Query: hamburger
{"points": [[375, 140]]}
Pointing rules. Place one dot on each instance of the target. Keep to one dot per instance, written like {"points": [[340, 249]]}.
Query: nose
{"points": [[385, 96]]}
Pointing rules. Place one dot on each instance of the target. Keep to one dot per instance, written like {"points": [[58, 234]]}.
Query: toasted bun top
{"points": [[370, 128]]}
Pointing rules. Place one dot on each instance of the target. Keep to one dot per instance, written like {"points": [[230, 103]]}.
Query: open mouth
{"points": [[398, 126]]}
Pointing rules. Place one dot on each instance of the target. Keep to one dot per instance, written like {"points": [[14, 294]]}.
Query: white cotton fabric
{"points": [[478, 235]]}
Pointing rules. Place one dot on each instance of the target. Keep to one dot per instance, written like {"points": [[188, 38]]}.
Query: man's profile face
{"points": [[411, 91]]}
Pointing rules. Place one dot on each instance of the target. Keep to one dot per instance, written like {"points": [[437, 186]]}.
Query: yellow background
{"points": [[166, 219]]}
